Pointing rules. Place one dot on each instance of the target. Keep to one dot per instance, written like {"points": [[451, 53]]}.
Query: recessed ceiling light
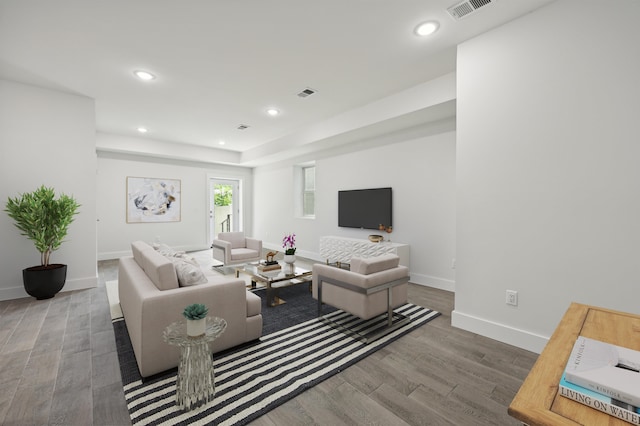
{"points": [[221, 142], [144, 75], [273, 112], [427, 28], [142, 129]]}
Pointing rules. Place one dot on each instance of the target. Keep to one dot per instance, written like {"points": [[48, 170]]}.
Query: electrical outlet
{"points": [[453, 263], [512, 298]]}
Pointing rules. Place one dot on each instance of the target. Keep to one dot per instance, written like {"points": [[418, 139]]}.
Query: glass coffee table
{"points": [[288, 275]]}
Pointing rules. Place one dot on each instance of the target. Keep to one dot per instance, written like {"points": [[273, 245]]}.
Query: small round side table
{"points": [[195, 380]]}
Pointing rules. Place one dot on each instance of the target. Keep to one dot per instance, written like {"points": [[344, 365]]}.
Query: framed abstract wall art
{"points": [[153, 200]]}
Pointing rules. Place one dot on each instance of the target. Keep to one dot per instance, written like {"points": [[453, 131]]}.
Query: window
{"points": [[304, 190], [308, 191]]}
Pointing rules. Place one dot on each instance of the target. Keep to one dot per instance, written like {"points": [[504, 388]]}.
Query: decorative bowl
{"points": [[376, 238]]}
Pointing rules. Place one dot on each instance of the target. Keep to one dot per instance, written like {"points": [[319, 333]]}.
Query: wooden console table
{"points": [[538, 401]]}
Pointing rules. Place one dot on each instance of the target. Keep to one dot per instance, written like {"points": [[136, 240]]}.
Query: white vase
{"points": [[289, 258], [196, 328]]}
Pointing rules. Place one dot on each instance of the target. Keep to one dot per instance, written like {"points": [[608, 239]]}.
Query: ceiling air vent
{"points": [[466, 8], [306, 92], [243, 127]]}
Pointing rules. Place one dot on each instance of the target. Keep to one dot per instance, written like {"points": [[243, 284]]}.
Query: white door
{"points": [[224, 208]]}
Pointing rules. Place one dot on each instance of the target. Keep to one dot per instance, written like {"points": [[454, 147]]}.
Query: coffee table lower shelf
{"points": [[273, 280]]}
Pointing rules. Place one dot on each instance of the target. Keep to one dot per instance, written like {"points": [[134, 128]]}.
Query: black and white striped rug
{"points": [[255, 379]]}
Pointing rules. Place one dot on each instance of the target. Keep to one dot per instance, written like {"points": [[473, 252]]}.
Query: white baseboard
{"points": [[113, 255], [500, 332], [431, 281], [80, 283], [18, 292], [12, 293]]}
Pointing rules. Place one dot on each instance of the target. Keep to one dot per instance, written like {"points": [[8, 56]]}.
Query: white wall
{"points": [[47, 137], [548, 179], [421, 172], [191, 233]]}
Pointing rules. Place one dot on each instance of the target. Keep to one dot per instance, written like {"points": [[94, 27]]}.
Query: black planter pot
{"points": [[44, 282]]}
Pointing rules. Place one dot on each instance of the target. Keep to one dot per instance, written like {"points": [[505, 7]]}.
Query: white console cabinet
{"points": [[341, 249]]}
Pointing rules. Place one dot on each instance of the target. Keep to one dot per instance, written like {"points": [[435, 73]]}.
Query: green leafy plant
{"points": [[43, 218], [195, 311], [222, 195]]}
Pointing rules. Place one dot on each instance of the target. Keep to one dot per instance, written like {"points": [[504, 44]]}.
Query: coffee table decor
{"points": [[273, 280], [289, 244], [269, 264], [196, 315]]}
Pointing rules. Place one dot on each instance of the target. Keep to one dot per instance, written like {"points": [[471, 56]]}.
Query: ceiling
{"points": [[222, 63]]}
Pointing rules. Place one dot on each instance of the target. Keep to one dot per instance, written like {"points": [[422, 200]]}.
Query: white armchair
{"points": [[232, 248], [373, 286]]}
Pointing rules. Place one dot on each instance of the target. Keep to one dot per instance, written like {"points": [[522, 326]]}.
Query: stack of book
{"points": [[605, 377], [268, 266]]}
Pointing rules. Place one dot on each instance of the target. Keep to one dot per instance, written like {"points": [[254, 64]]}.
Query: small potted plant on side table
{"points": [[196, 315]]}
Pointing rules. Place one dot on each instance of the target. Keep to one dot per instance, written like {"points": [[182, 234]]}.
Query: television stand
{"points": [[342, 249], [339, 265]]}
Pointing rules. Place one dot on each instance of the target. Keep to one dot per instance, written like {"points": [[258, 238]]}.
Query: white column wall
{"points": [[421, 172], [547, 169], [47, 137]]}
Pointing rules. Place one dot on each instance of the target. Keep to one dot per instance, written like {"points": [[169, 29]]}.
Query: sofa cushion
{"points": [[137, 247], [188, 271], [167, 251], [160, 270], [243, 253], [188, 274], [179, 256], [186, 258], [235, 238], [371, 265]]}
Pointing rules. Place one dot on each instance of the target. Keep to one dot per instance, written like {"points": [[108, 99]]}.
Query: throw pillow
{"points": [[167, 251], [186, 258], [188, 273]]}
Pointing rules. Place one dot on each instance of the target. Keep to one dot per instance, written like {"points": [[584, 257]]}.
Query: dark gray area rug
{"points": [[297, 351], [299, 307]]}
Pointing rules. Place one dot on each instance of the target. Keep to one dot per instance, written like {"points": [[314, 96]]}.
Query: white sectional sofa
{"points": [[152, 298]]}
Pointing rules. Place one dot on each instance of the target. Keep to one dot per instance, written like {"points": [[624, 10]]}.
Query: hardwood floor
{"points": [[58, 360], [436, 375], [58, 366]]}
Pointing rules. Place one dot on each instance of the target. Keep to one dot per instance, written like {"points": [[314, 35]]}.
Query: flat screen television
{"points": [[365, 208]]}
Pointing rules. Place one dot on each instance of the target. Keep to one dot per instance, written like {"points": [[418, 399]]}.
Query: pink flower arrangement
{"points": [[289, 244]]}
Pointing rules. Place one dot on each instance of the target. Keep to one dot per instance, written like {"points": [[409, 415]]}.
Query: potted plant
{"points": [[289, 245], [44, 219], [196, 315]]}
